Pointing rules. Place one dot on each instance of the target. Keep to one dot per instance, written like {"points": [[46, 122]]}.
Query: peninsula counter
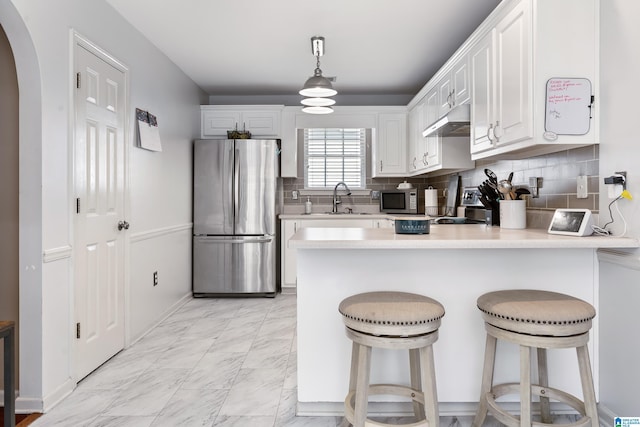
{"points": [[453, 264]]}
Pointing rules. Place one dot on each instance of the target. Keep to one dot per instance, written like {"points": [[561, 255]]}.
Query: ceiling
{"points": [[378, 49]]}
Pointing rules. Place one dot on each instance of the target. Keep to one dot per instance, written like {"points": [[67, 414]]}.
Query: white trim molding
{"points": [[160, 232], [56, 254]]}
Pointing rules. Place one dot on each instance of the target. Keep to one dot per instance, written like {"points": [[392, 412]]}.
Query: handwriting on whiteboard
{"points": [[568, 105], [563, 91]]}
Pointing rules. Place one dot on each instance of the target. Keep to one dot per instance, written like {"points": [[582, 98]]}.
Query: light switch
{"points": [[582, 187]]}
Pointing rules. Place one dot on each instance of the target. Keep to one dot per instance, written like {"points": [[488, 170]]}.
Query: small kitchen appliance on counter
{"points": [[399, 201], [474, 210]]}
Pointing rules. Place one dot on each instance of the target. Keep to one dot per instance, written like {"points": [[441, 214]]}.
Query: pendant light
{"points": [[317, 88]]}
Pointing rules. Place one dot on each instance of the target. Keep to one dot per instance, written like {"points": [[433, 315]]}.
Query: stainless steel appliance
{"points": [[234, 217], [399, 201], [474, 211]]}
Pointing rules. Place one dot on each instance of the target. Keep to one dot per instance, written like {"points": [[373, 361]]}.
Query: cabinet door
{"points": [[414, 138], [289, 228], [445, 95], [217, 123], [431, 143], [261, 123], [391, 145], [417, 142], [460, 78], [482, 97], [513, 116]]}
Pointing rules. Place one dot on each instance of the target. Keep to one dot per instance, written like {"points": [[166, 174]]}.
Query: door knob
{"points": [[123, 225]]}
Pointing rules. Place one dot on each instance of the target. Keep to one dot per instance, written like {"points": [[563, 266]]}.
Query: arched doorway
{"points": [[29, 226], [9, 283]]}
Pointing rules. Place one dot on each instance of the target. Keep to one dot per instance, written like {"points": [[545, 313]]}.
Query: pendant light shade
{"points": [[317, 110], [318, 102], [317, 88]]}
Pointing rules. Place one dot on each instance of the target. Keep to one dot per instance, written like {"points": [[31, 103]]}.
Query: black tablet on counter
{"points": [[572, 222]]}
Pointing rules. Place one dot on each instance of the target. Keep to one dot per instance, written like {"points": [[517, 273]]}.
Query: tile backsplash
{"points": [[559, 172]]}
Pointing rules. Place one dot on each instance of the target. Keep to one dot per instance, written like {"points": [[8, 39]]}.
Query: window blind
{"points": [[334, 155]]}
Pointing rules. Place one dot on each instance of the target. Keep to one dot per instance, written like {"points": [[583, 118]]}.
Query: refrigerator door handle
{"points": [[236, 180]]}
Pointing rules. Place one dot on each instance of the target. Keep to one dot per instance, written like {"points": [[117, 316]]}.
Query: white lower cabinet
{"points": [[290, 226]]}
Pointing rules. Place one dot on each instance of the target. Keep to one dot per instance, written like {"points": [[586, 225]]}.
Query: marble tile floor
{"points": [[224, 362], [214, 362]]}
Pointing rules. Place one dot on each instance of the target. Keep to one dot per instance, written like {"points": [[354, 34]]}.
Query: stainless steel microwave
{"points": [[399, 201]]}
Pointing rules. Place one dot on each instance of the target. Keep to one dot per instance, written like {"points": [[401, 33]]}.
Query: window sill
{"points": [[359, 192]]}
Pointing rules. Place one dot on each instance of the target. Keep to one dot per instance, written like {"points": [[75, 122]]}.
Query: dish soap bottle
{"points": [[307, 206]]}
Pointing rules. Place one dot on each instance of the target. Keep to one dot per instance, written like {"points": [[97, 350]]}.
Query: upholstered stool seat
{"points": [[392, 320], [535, 320]]}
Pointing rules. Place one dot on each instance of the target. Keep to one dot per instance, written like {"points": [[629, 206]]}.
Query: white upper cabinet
{"points": [[432, 110], [513, 55], [482, 94], [501, 107], [415, 138], [434, 154], [261, 121], [453, 88], [390, 145]]}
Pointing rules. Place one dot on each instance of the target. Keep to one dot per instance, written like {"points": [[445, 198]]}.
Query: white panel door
{"points": [[99, 185]]}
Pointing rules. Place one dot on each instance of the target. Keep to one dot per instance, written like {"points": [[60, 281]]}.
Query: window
{"points": [[334, 155]]}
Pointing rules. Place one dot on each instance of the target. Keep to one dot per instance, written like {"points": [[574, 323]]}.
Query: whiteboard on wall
{"points": [[568, 106]]}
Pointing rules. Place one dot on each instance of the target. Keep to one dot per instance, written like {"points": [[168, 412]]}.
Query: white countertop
{"points": [[449, 236], [356, 215]]}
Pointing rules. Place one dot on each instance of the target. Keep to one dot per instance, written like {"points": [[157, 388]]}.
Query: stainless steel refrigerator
{"points": [[234, 217]]}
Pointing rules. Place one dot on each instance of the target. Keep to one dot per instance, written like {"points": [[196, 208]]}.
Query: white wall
{"points": [[620, 151], [160, 183]]}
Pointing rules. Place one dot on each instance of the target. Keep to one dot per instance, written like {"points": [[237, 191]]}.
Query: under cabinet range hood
{"points": [[455, 123]]}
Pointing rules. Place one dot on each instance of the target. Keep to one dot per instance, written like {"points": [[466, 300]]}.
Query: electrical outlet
{"points": [[294, 195], [582, 187], [375, 195], [614, 190], [616, 184], [155, 278]]}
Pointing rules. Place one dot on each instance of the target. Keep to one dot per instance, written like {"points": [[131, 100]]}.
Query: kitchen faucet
{"points": [[336, 198]]}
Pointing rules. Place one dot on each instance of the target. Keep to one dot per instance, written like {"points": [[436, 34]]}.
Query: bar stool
{"points": [[540, 320], [392, 320]]}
